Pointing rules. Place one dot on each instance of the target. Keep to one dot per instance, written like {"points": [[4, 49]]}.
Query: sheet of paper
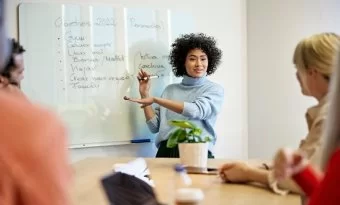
{"points": [[137, 168]]}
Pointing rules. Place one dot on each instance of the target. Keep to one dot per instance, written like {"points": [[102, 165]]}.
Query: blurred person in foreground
{"points": [[34, 167]]}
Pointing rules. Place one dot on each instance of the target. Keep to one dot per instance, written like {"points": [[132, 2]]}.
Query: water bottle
{"points": [[182, 179], [185, 194]]}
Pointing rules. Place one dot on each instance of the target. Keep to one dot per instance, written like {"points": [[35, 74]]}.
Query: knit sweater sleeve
{"points": [[153, 123], [205, 106]]}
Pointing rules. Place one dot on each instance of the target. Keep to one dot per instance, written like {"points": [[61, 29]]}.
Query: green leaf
{"points": [[182, 124], [172, 141], [207, 139], [177, 136], [191, 139], [182, 135], [196, 132]]}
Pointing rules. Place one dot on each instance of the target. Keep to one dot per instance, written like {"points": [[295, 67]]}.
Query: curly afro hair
{"points": [[187, 42]]}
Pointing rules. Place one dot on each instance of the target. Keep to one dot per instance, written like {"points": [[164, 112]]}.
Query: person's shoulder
{"points": [[172, 86], [23, 113], [27, 127], [12, 89], [317, 114], [214, 87]]}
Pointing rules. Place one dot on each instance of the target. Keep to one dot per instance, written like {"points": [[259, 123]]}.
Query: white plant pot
{"points": [[194, 154]]}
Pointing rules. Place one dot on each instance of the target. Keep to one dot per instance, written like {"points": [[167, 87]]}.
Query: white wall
{"points": [[275, 104], [263, 35], [226, 20]]}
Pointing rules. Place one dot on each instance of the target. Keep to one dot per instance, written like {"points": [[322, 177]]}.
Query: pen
{"points": [[140, 140], [149, 77]]}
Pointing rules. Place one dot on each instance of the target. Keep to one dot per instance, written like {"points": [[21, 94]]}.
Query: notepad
{"points": [[137, 168]]}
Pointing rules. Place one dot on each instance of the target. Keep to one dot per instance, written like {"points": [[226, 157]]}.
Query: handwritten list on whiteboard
{"points": [[82, 59]]}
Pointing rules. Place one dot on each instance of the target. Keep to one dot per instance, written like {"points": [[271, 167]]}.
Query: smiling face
{"points": [[196, 63]]}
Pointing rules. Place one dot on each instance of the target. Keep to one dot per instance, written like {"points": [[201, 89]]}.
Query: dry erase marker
{"points": [[149, 77], [140, 140]]}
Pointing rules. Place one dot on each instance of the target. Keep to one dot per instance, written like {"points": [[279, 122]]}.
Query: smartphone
{"points": [[201, 170]]}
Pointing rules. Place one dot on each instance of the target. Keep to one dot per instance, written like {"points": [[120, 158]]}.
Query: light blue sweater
{"points": [[202, 102]]}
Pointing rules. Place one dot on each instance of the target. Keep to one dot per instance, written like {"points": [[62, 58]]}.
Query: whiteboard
{"points": [[81, 60]]}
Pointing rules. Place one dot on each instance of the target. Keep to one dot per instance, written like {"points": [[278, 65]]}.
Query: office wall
{"points": [[276, 107], [226, 20]]}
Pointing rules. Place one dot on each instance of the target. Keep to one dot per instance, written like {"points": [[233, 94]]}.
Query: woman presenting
{"points": [[196, 99]]}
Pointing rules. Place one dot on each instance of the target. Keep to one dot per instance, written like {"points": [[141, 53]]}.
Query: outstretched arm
{"points": [[175, 106], [201, 108]]}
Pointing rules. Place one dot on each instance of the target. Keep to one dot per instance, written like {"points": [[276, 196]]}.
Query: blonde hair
{"points": [[332, 129], [317, 51]]}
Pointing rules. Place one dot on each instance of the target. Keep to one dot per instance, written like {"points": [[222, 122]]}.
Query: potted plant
{"points": [[193, 149]]}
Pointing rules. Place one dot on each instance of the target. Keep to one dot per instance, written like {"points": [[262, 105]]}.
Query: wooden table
{"points": [[88, 190]]}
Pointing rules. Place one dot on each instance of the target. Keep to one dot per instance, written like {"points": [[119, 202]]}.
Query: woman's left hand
{"points": [[144, 101], [236, 172]]}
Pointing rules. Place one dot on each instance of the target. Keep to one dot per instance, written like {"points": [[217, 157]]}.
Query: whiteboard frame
{"points": [[101, 144]]}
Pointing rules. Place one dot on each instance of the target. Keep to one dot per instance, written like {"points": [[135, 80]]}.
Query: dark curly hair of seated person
{"points": [[184, 44], [16, 49]]}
